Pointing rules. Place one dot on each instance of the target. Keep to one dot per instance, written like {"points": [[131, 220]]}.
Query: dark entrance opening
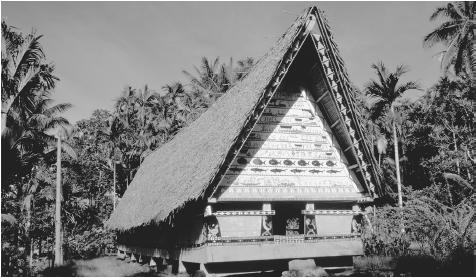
{"points": [[287, 220]]}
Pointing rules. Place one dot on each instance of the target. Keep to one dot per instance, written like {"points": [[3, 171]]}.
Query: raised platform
{"points": [[258, 249]]}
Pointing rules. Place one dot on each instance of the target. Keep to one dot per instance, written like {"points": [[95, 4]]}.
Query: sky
{"points": [[99, 48]]}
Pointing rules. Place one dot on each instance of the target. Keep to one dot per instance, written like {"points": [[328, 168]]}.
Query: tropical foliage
{"points": [[425, 146], [457, 34]]}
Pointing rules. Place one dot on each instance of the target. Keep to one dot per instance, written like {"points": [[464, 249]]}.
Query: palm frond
{"points": [[442, 34], [57, 109], [458, 179], [410, 85], [8, 218]]}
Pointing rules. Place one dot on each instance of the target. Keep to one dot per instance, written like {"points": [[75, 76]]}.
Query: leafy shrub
{"points": [[374, 263], [436, 235], [89, 244], [382, 236], [13, 260]]}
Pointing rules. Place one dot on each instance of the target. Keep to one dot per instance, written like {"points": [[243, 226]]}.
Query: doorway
{"points": [[287, 220]]}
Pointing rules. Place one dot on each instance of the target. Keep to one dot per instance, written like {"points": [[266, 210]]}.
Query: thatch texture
{"points": [[182, 169]]}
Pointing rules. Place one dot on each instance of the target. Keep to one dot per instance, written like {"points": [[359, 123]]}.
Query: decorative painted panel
{"points": [[267, 226], [310, 227], [212, 227], [289, 155], [334, 224], [240, 226]]}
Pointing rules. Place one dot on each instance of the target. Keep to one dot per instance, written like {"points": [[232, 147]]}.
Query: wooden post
{"points": [[208, 211], [153, 265], [114, 193], [58, 234], [266, 206]]}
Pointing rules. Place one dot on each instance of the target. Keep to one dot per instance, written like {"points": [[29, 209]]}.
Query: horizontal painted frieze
{"points": [[285, 181], [294, 104], [287, 193], [296, 137], [289, 128], [280, 112], [287, 145], [308, 121], [256, 161], [296, 154], [285, 172], [244, 212], [330, 212]]}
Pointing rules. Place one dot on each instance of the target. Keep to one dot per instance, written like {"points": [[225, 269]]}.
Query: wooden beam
{"points": [[353, 166], [348, 148], [334, 124], [321, 97]]}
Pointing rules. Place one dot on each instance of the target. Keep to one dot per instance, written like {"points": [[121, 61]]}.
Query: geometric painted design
{"points": [[326, 212], [244, 212], [290, 154]]}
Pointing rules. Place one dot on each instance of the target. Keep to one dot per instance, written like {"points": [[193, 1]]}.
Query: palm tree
{"points": [[125, 106], [385, 93], [207, 78], [458, 35], [24, 70], [214, 79], [109, 138], [27, 145], [146, 101], [29, 134], [175, 106]]}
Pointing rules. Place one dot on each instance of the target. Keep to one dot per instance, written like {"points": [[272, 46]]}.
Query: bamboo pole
{"points": [[58, 234]]}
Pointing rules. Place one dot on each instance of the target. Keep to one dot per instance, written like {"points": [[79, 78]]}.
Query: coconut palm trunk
{"points": [[114, 185], [397, 169], [28, 245], [58, 234], [397, 161]]}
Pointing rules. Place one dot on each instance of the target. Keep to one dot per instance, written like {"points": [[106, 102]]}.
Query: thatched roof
{"points": [[183, 169]]}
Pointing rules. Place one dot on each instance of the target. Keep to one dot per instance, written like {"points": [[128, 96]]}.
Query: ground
{"points": [[108, 266]]}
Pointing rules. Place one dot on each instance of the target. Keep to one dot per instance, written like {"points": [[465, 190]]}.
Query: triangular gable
{"points": [[291, 154], [340, 98]]}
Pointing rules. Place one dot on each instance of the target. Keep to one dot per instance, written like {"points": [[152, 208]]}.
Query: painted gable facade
{"points": [[290, 154]]}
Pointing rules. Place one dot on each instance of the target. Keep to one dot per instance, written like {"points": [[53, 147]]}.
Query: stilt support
{"points": [[204, 270], [153, 265], [178, 267]]}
